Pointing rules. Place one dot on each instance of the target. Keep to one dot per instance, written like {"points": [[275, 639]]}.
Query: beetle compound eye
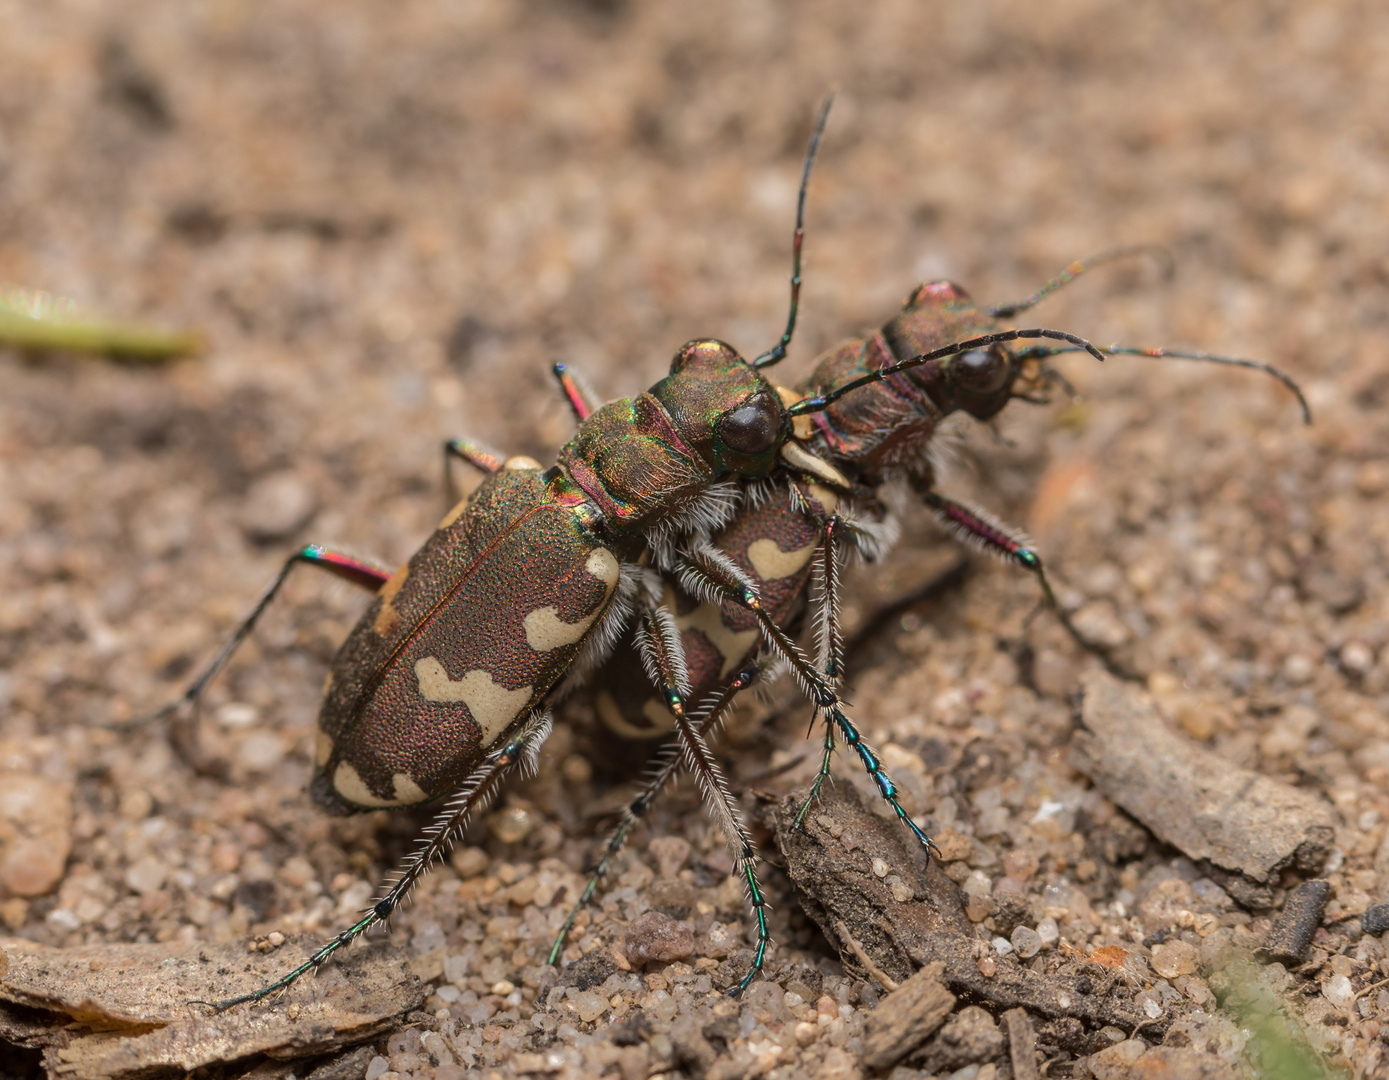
{"points": [[751, 428], [979, 371]]}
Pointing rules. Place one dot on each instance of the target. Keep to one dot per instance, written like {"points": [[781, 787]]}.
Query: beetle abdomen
{"points": [[462, 643]]}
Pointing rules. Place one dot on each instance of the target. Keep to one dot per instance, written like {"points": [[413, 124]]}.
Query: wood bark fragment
{"points": [[107, 1012], [1237, 821], [1022, 1044], [829, 860], [906, 1018], [1292, 931]]}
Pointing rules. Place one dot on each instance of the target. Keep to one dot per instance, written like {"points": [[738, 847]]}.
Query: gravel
{"points": [[386, 223]]}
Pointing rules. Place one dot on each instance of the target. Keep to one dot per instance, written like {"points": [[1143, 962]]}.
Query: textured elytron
{"points": [[425, 685], [768, 542]]}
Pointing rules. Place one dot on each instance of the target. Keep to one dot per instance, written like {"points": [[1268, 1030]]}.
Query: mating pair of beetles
{"points": [[715, 484]]}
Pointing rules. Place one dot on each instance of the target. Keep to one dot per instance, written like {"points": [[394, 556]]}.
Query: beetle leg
{"points": [[439, 838], [359, 572], [582, 401], [473, 454], [983, 531], [664, 765], [829, 643], [709, 575], [658, 641]]}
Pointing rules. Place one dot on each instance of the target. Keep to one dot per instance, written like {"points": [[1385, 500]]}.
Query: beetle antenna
{"points": [[1080, 266], [778, 352], [821, 402], [1203, 357]]}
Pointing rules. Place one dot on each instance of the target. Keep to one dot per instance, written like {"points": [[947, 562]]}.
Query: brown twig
{"points": [[888, 982]]}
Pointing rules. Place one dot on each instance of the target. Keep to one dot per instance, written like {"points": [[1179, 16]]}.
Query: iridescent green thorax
{"points": [[630, 460], [644, 458]]}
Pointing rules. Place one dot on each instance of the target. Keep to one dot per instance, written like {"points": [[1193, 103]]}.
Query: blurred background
{"points": [[387, 220]]}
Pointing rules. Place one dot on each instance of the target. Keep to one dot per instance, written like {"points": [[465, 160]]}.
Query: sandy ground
{"points": [[389, 219]]}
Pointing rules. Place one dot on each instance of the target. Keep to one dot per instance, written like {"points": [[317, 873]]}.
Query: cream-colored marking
{"points": [[545, 630], [732, 645], [327, 684], [520, 461], [828, 500], [493, 706], [772, 564], [613, 719], [454, 514], [602, 564], [323, 748], [348, 783], [388, 618], [798, 457]]}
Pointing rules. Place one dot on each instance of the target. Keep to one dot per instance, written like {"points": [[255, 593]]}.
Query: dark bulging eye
{"points": [[753, 427], [979, 371]]}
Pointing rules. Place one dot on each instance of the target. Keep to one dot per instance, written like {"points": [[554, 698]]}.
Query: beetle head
{"points": [[978, 382], [723, 409]]}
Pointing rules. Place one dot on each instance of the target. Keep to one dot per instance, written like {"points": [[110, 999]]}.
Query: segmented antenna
{"points": [[1081, 266], [777, 353], [821, 402], [1187, 354]]}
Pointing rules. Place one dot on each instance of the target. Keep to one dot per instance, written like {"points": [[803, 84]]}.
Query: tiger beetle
{"points": [[869, 410], [441, 689]]}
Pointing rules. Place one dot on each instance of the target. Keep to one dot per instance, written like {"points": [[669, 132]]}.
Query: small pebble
{"points": [[1172, 959], [276, 506], [377, 1067], [656, 936], [1049, 931], [720, 941], [1026, 941], [238, 714], [1376, 919], [260, 751], [576, 769], [406, 1041], [1339, 991], [35, 833], [136, 804], [469, 862], [511, 824], [146, 876], [1002, 946], [1298, 669], [1357, 657], [671, 853], [1020, 865]]}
